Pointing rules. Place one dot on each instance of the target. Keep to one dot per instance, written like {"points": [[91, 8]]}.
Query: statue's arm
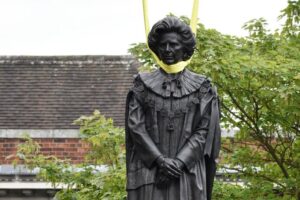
{"points": [[144, 145], [193, 148]]}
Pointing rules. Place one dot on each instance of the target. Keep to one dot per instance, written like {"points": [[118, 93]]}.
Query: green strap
{"points": [[177, 67], [194, 18]]}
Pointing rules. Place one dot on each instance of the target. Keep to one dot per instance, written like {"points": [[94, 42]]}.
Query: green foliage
{"points": [[292, 23], [258, 80], [107, 141], [85, 181], [227, 191]]}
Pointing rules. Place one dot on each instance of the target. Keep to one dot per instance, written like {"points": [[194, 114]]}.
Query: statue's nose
{"points": [[168, 48]]}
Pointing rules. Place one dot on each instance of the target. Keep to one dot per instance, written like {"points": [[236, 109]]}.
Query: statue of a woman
{"points": [[172, 124]]}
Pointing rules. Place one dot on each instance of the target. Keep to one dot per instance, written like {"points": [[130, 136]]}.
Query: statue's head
{"points": [[172, 40]]}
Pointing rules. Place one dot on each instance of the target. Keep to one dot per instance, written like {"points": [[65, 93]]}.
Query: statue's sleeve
{"points": [[195, 146], [143, 143]]}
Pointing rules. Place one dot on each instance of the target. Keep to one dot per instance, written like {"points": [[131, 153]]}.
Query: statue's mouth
{"points": [[168, 56]]}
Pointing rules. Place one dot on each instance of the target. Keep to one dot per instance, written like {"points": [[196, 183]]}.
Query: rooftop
{"points": [[42, 92]]}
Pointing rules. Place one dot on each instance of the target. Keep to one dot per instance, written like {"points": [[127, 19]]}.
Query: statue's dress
{"points": [[177, 116]]}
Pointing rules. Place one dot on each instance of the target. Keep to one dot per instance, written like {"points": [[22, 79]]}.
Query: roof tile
{"points": [[51, 92]]}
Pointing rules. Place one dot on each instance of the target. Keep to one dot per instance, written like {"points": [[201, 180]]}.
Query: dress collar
{"points": [[181, 84]]}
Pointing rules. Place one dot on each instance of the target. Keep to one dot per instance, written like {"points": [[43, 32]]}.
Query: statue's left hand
{"points": [[170, 167], [162, 180], [179, 164]]}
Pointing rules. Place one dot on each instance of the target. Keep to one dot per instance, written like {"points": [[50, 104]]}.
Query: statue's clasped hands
{"points": [[169, 168]]}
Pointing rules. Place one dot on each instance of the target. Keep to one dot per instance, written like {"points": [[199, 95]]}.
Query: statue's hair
{"points": [[172, 24]]}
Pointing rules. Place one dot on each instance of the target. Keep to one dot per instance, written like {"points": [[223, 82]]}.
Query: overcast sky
{"points": [[108, 27]]}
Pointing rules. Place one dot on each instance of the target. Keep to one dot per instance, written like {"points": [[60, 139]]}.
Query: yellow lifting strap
{"points": [[177, 67]]}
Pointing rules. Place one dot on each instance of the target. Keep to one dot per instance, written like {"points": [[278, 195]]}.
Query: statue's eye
{"points": [[174, 44], [163, 45]]}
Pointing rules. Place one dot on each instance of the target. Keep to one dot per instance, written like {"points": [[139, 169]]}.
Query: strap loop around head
{"points": [[177, 67]]}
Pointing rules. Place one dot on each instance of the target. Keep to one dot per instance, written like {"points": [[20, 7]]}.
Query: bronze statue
{"points": [[172, 124]]}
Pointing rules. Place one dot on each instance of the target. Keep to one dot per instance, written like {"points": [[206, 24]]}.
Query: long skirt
{"points": [[190, 186]]}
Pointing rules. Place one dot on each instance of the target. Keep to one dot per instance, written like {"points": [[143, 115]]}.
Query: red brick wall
{"points": [[63, 148]]}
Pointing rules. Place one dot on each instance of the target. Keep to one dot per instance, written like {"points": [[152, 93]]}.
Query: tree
{"points": [[258, 80], [101, 176]]}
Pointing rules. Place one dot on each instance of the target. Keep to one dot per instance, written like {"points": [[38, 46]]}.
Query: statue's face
{"points": [[170, 48]]}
